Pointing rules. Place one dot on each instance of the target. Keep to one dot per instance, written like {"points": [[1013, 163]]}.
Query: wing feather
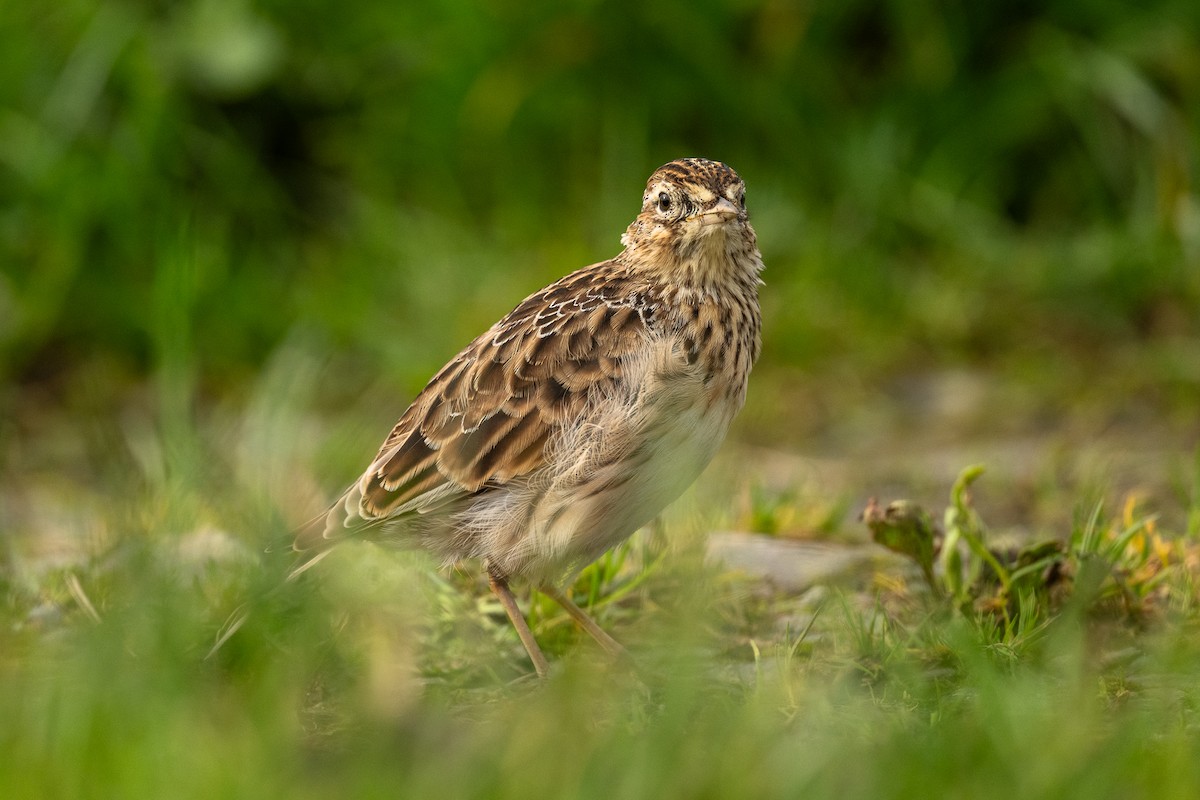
{"points": [[488, 416]]}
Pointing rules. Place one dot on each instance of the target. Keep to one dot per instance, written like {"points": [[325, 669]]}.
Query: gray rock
{"points": [[793, 566]]}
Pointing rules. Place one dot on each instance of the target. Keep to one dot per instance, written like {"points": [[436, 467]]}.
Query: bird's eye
{"points": [[742, 198], [664, 201]]}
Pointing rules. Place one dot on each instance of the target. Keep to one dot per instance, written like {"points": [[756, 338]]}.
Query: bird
{"points": [[580, 415]]}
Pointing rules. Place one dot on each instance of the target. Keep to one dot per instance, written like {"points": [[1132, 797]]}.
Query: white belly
{"points": [[578, 520], [609, 474]]}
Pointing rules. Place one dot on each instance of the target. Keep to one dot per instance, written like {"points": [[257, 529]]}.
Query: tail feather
{"points": [[307, 564], [315, 533]]}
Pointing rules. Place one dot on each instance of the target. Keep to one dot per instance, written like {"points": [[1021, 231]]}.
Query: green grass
{"points": [[377, 674], [931, 186]]}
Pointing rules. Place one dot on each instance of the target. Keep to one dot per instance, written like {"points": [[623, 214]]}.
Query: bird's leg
{"points": [[610, 645], [500, 589]]}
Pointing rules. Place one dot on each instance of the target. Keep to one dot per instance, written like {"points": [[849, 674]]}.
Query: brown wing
{"points": [[486, 418]]}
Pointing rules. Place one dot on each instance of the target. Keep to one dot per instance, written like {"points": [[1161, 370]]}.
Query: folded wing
{"points": [[490, 416]]}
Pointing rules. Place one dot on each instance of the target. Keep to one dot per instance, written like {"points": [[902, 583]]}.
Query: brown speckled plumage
{"points": [[578, 416]]}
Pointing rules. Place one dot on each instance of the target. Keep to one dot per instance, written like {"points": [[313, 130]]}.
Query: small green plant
{"points": [[1123, 566]]}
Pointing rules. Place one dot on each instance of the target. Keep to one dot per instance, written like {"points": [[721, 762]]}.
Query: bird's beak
{"points": [[722, 212]]}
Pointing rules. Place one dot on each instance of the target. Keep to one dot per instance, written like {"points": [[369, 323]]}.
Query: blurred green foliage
{"points": [[382, 679], [182, 184]]}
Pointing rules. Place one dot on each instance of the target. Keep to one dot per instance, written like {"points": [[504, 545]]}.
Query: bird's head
{"points": [[693, 224]]}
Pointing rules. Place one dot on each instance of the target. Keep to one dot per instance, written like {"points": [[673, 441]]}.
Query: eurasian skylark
{"points": [[581, 414]]}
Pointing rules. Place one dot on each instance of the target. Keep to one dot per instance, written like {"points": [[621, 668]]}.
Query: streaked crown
{"points": [[698, 182], [693, 220]]}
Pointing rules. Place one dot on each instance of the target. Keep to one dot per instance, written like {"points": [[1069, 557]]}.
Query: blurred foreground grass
{"points": [[377, 676]]}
